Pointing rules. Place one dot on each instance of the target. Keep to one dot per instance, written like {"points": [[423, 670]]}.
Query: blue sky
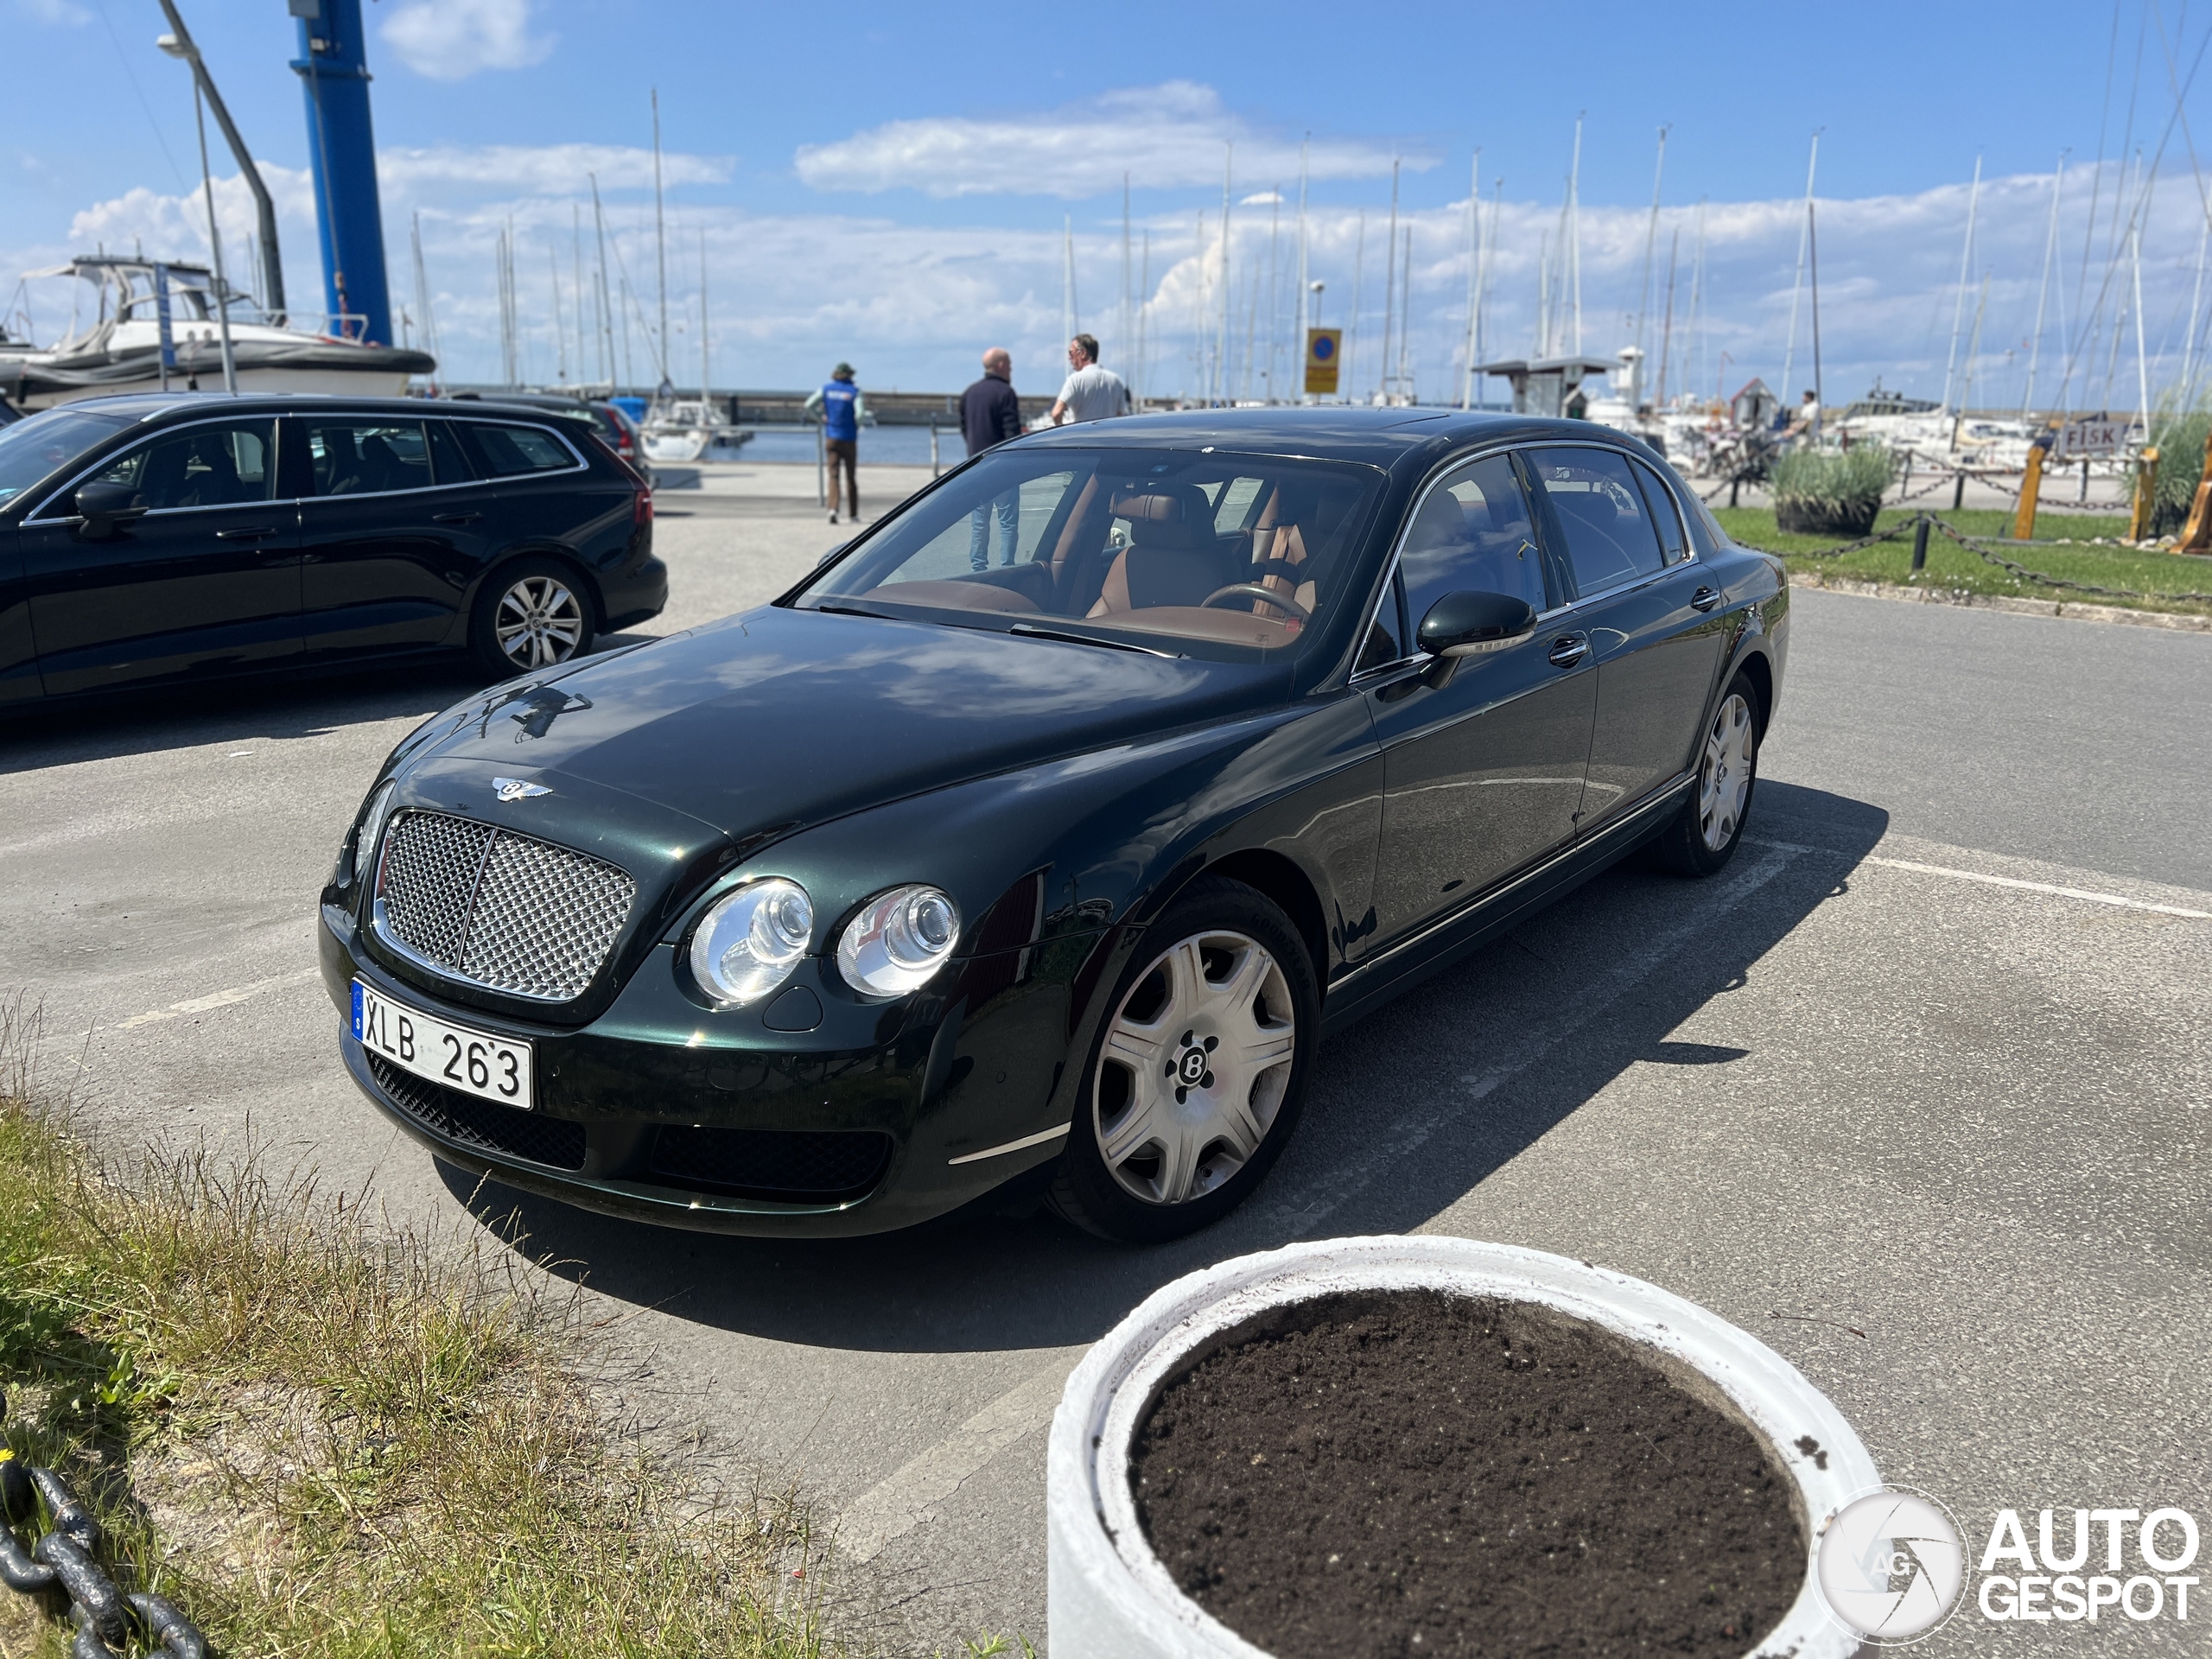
{"points": [[890, 184]]}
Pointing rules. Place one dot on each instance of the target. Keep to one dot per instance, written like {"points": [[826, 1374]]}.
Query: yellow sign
{"points": [[1323, 347]]}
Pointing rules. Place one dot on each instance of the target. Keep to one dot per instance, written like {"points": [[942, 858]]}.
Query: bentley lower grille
{"points": [[536, 1139], [498, 909], [787, 1166]]}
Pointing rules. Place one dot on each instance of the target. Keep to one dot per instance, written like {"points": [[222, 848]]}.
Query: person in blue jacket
{"points": [[841, 409]]}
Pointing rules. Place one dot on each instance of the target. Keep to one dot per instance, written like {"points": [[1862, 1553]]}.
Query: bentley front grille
{"points": [[498, 909]]}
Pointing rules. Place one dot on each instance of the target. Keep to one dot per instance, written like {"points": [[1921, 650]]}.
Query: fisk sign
{"points": [[2078, 439]]}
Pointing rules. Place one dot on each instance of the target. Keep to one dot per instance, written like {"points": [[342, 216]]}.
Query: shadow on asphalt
{"points": [[1408, 1112]]}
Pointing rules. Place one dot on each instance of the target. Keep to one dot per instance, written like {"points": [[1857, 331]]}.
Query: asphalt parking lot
{"points": [[1917, 1090]]}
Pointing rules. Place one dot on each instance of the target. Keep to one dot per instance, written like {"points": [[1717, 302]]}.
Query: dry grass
{"points": [[325, 1436]]}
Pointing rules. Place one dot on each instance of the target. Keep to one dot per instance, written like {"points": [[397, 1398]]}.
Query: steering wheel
{"points": [[1254, 591]]}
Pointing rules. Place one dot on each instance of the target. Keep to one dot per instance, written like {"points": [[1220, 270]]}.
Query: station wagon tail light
{"points": [[641, 509], [899, 941], [748, 943]]}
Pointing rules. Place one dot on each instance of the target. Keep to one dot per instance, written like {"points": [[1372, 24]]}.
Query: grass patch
{"points": [[1953, 568], [328, 1437]]}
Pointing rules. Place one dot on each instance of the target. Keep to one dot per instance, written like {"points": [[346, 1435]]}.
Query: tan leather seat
{"points": [[1173, 556]]}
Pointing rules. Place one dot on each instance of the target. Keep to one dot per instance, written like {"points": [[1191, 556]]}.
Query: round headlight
{"points": [[899, 941], [748, 943]]}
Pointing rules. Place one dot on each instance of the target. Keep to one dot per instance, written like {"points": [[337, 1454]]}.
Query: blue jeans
{"points": [[1008, 508]]}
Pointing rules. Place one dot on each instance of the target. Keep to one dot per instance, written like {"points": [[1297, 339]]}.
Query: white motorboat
{"points": [[691, 429], [121, 350]]}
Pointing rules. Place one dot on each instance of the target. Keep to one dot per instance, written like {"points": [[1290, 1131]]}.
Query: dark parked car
{"points": [[153, 540], [1045, 847], [607, 418]]}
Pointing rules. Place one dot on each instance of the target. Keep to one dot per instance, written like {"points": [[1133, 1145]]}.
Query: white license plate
{"points": [[475, 1062]]}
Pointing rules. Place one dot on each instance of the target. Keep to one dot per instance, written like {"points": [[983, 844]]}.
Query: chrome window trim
{"points": [[37, 515], [1681, 517]]}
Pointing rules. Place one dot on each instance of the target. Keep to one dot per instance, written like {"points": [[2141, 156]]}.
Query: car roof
{"points": [[1380, 438], [161, 407]]}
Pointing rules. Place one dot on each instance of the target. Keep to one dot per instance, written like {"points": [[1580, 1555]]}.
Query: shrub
{"points": [[1837, 481], [2180, 435]]}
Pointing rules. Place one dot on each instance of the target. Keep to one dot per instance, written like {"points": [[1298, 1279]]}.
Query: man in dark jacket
{"points": [[990, 414]]}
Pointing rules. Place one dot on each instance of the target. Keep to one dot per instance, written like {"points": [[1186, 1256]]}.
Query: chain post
{"points": [[1959, 494], [1920, 544]]}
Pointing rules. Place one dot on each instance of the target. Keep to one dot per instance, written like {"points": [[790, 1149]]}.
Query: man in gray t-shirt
{"points": [[1091, 393]]}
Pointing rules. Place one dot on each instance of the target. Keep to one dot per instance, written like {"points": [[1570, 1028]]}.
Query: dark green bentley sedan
{"points": [[1043, 833]]}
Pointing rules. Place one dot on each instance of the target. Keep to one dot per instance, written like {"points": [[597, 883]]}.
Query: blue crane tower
{"points": [[342, 150]]}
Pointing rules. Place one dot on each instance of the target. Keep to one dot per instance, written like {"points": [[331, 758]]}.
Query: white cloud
{"points": [[545, 169], [1162, 136], [451, 39], [54, 11]]}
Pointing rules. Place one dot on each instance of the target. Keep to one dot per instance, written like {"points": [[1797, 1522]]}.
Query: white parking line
{"points": [[214, 1000], [902, 1500], [2042, 887]]}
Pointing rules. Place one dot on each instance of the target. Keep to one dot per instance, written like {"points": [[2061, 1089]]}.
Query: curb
{"points": [[2177, 621]]}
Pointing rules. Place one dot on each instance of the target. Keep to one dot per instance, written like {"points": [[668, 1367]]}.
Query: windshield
{"points": [[1213, 554], [32, 449]]}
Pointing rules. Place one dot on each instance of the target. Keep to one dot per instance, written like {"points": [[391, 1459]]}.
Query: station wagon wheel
{"points": [[1197, 1076], [1702, 837], [532, 615]]}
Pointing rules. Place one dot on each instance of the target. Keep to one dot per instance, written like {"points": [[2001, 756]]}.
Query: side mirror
{"points": [[1468, 624], [104, 505]]}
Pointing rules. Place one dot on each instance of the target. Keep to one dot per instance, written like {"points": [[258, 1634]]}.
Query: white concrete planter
{"points": [[1108, 1596]]}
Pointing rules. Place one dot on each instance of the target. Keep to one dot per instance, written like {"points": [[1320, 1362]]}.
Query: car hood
{"points": [[774, 720]]}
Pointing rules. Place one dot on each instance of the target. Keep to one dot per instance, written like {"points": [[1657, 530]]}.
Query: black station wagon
{"points": [[1044, 831], [153, 541]]}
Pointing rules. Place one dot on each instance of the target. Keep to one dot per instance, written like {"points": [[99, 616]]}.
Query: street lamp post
{"points": [[178, 46]]}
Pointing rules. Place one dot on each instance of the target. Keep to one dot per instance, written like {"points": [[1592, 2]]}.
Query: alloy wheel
{"points": [[1194, 1067], [539, 622], [1725, 778]]}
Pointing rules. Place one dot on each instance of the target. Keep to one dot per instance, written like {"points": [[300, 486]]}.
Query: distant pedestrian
{"points": [[841, 409], [1092, 393], [990, 413]]}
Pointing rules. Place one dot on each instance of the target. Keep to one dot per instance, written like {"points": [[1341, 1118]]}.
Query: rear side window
{"points": [[1601, 513], [509, 450], [217, 465], [357, 457], [1664, 518]]}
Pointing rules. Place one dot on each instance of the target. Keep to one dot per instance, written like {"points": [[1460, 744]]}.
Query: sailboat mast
{"points": [[1352, 321], [1122, 325], [1221, 340], [1667, 326], [1144, 346], [1966, 265], [1696, 352], [560, 329], [606, 294], [576, 276], [1797, 284], [1474, 281], [1305, 296], [660, 238], [1573, 249], [2142, 362], [1389, 287], [2042, 295], [706, 378], [1650, 245]]}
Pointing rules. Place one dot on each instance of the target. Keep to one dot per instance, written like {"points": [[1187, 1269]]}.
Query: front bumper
{"points": [[660, 1111]]}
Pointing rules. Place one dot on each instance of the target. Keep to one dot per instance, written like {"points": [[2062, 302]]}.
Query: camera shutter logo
{"points": [[1891, 1566]]}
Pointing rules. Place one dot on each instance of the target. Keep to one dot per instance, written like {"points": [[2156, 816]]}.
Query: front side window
{"points": [[222, 464], [1471, 533], [357, 457], [1602, 514], [1229, 554], [42, 444], [510, 450]]}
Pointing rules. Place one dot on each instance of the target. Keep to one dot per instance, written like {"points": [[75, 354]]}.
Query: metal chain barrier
{"points": [[110, 1621], [1987, 555]]}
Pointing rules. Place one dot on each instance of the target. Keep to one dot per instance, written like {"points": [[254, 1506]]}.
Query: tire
{"points": [[533, 613], [1167, 1138], [1702, 837]]}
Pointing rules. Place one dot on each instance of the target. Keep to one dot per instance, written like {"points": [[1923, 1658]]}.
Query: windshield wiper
{"points": [[853, 610], [1031, 631]]}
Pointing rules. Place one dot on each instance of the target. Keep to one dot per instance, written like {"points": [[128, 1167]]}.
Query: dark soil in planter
{"points": [[1407, 1473], [1799, 517]]}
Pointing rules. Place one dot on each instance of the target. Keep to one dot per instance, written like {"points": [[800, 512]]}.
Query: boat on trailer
{"points": [[121, 350]]}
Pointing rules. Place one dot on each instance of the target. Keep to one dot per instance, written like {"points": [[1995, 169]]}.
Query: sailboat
{"points": [[121, 350]]}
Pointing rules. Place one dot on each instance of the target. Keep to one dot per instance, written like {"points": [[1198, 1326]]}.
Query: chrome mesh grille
{"points": [[499, 909]]}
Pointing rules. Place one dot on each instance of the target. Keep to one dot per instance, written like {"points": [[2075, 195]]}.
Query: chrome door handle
{"points": [[252, 535], [1705, 598], [456, 517], [1568, 650]]}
